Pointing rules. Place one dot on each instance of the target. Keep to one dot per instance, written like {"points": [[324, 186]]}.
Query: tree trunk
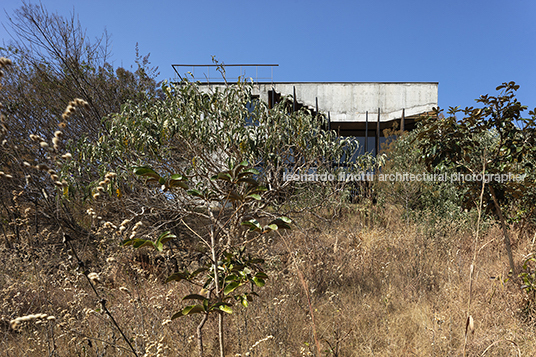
{"points": [[200, 335], [220, 334], [505, 231]]}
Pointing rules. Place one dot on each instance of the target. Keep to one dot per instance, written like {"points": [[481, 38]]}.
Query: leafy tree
{"points": [[423, 197], [493, 140], [226, 202], [54, 61], [200, 131]]}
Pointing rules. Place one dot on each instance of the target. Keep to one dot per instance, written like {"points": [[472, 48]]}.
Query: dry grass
{"points": [[377, 285]]}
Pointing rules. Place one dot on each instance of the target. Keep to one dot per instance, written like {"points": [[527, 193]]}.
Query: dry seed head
{"points": [[58, 183], [62, 125], [103, 183], [58, 134], [55, 141], [67, 156], [54, 178], [35, 138], [93, 277], [15, 324], [43, 144], [42, 167], [122, 288], [4, 62], [27, 164], [96, 195], [82, 103], [471, 325], [100, 189]]}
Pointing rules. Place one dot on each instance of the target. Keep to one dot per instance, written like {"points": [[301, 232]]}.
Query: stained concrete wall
{"points": [[349, 101]]}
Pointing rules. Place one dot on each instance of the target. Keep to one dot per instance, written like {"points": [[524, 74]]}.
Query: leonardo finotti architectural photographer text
{"points": [[402, 177]]}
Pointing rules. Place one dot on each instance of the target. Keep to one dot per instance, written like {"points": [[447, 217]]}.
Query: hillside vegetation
{"points": [[139, 220]]}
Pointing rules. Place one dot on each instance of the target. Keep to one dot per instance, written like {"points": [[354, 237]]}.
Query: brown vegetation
{"points": [[384, 288]]}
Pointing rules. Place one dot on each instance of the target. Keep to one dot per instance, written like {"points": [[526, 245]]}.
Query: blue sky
{"points": [[468, 46]]}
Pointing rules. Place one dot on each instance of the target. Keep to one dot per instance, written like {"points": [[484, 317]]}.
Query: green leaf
{"points": [[223, 176], [248, 172], [257, 189], [226, 309], [282, 222], [197, 272], [195, 297], [222, 306], [249, 181], [192, 309], [244, 301], [127, 242], [259, 282], [231, 287], [146, 171], [195, 192], [261, 275], [270, 227], [177, 177], [231, 277], [178, 276], [177, 180], [234, 196], [137, 242], [162, 239], [253, 225], [177, 314], [254, 196]]}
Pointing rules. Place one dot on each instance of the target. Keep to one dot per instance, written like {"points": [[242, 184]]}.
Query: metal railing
{"points": [[204, 73]]}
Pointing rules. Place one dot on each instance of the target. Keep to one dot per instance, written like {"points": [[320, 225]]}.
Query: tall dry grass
{"points": [[370, 283]]}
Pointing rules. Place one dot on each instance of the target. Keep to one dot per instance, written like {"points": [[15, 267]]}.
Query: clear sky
{"points": [[468, 46]]}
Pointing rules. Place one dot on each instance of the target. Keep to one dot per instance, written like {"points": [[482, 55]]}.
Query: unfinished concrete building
{"points": [[359, 109]]}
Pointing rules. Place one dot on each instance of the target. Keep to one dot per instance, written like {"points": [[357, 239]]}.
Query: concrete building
{"points": [[359, 109]]}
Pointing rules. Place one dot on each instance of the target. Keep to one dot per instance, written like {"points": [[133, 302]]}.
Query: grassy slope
{"points": [[375, 285]]}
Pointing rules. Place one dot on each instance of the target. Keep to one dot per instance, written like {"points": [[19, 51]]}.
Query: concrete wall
{"points": [[349, 101]]}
